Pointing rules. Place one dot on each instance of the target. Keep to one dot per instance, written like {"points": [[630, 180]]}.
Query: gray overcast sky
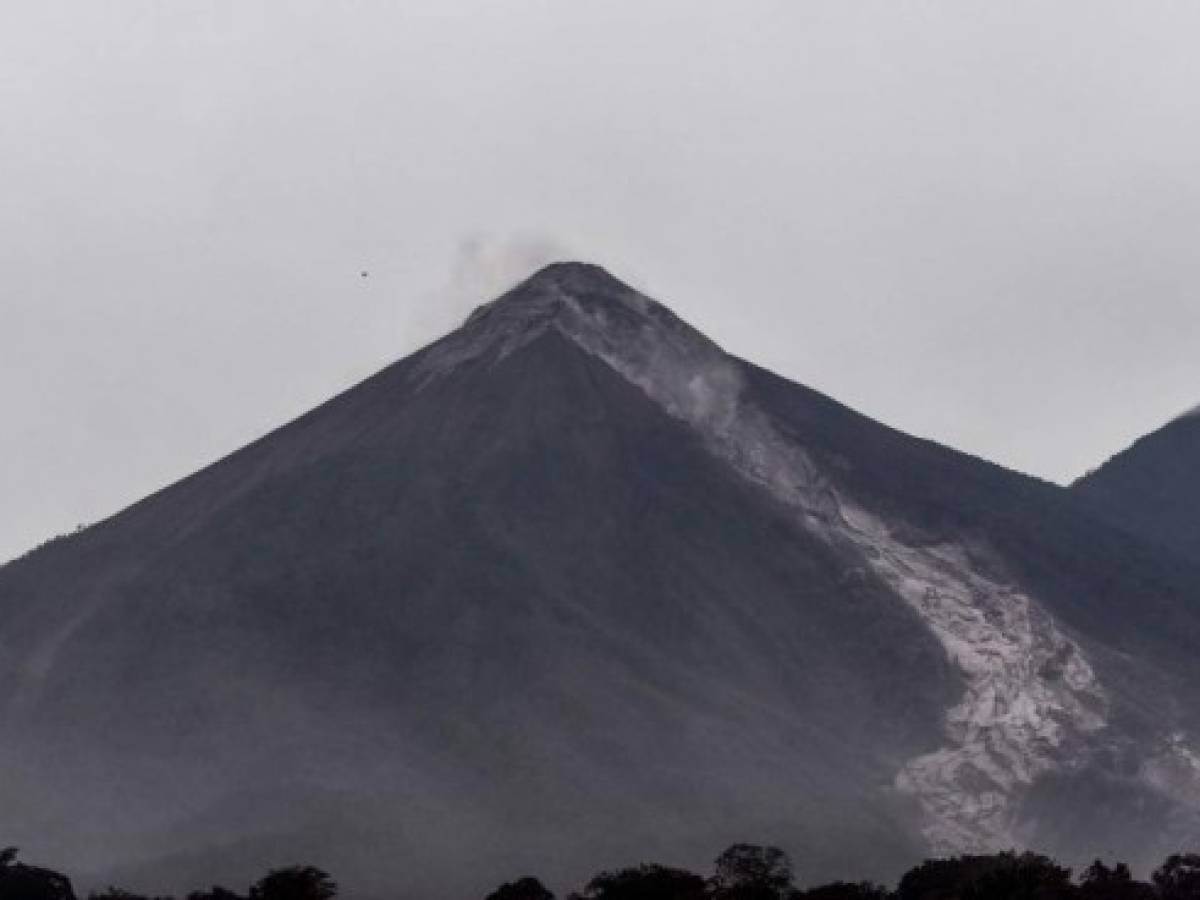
{"points": [[976, 221]]}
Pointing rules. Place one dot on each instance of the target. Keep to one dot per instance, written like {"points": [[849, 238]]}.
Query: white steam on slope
{"points": [[482, 265], [485, 265]]}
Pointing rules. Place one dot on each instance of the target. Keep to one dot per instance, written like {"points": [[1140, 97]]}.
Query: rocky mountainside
{"points": [[573, 587], [1153, 487]]}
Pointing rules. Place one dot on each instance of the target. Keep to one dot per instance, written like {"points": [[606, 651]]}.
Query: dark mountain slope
{"points": [[1153, 487], [542, 610], [1123, 590]]}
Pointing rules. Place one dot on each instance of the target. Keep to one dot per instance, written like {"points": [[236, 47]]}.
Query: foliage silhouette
{"points": [[1099, 882], [521, 889], [645, 882], [21, 882], [1000, 876], [115, 893], [751, 872], [216, 892], [1179, 877], [294, 883], [742, 872], [842, 890]]}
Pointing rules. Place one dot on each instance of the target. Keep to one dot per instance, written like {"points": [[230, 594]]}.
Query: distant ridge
{"points": [[1153, 487]]}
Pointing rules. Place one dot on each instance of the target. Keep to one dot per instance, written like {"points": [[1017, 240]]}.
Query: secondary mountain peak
{"points": [[1152, 486]]}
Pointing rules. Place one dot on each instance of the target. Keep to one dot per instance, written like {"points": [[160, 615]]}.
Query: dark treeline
{"points": [[743, 872], [19, 881]]}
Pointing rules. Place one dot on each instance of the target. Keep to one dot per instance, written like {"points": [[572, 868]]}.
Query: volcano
{"points": [[573, 588]]}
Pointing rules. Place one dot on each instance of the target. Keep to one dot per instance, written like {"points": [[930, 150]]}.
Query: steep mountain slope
{"points": [[573, 587], [1153, 487]]}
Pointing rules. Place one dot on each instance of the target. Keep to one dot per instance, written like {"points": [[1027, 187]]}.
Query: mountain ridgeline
{"points": [[573, 586], [1153, 488]]}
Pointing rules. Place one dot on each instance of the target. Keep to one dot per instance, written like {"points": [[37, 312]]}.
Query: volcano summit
{"points": [[572, 586]]}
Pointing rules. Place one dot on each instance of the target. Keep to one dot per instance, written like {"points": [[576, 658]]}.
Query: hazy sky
{"points": [[976, 221]]}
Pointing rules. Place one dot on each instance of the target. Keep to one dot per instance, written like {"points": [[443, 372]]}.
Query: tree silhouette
{"points": [[646, 882], [1000, 876], [841, 890], [115, 893], [1179, 877], [294, 883], [1024, 876], [1099, 882], [751, 872], [21, 882], [216, 892], [742, 872], [521, 889]]}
